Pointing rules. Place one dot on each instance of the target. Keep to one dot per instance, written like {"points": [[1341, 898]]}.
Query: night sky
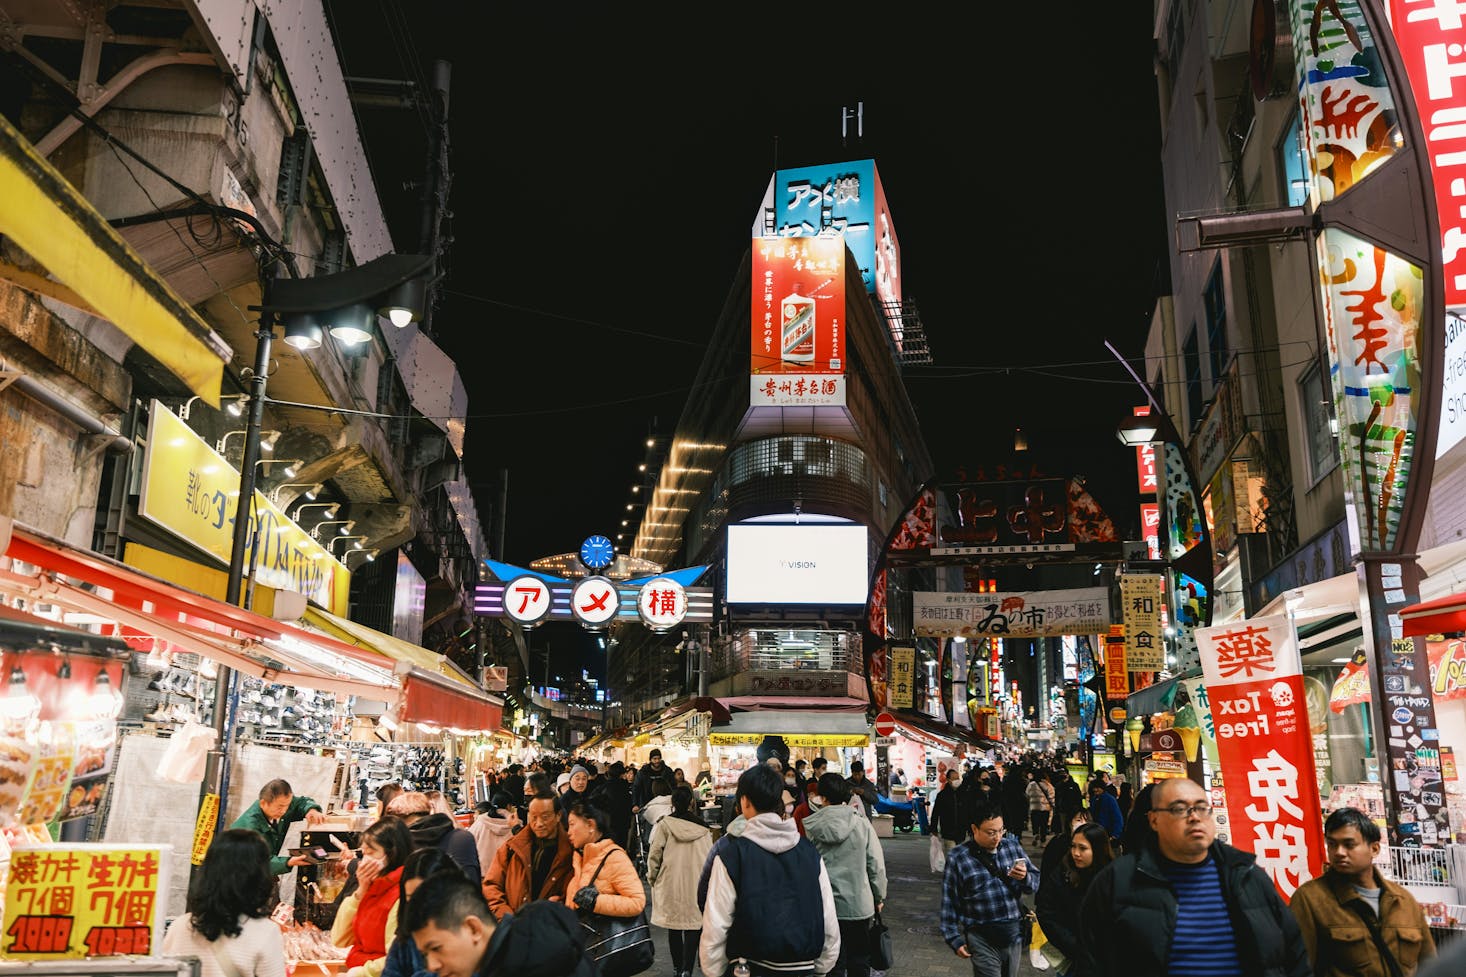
{"points": [[608, 167]]}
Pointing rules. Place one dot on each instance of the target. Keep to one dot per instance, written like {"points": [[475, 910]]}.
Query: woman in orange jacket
{"points": [[617, 890]]}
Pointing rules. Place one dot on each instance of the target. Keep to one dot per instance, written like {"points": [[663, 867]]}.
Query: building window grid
{"points": [[1215, 300]]}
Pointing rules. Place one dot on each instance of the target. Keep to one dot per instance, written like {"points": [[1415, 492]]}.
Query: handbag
{"points": [[621, 945], [881, 951]]}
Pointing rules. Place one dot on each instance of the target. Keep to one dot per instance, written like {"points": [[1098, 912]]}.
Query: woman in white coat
{"points": [[680, 846]]}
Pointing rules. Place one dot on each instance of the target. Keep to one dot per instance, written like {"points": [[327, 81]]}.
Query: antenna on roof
{"points": [[846, 114]]}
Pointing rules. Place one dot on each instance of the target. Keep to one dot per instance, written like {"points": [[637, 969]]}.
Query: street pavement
{"points": [[913, 912]]}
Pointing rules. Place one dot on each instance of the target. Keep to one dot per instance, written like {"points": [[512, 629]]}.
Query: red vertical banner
{"points": [[1145, 469], [1150, 526], [1117, 675], [1254, 683]]}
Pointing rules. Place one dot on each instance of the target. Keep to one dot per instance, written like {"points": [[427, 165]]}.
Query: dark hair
{"points": [[423, 864], [856, 767], [446, 901], [764, 788], [986, 811], [1352, 817], [552, 798], [538, 782], [683, 799], [392, 836], [616, 769], [235, 880], [799, 763], [276, 788], [1098, 837], [500, 800], [833, 789], [660, 788], [386, 792], [819, 761], [587, 811]]}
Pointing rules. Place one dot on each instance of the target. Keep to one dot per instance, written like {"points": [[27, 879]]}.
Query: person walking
{"points": [[1105, 810], [1330, 908], [495, 823], [616, 889], [982, 897], [366, 921], [1040, 795], [769, 906], [1060, 843], [944, 822], [1188, 903], [856, 864], [229, 905], [861, 786], [534, 864], [641, 786], [1137, 832], [678, 851], [1061, 892], [613, 794], [271, 816]]}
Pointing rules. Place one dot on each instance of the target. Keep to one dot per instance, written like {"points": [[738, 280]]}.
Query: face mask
{"points": [[816, 802], [788, 809], [789, 780]]}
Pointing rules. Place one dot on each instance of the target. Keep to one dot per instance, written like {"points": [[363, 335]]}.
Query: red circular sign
{"points": [[885, 724]]}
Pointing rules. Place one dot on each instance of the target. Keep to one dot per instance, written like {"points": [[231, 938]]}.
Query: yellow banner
{"points": [[44, 215], [796, 739], [191, 491], [903, 669], [203, 829], [1145, 643], [81, 900]]}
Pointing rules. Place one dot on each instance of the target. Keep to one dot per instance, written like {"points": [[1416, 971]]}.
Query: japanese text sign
{"points": [[1117, 675], [84, 900], [1254, 682], [1150, 522], [903, 668], [1047, 613], [797, 355], [1145, 468], [1145, 645], [190, 490]]}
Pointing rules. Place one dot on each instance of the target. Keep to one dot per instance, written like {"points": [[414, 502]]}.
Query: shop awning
{"points": [[42, 213], [433, 700], [388, 645], [1443, 615], [938, 734], [1158, 697], [797, 727]]}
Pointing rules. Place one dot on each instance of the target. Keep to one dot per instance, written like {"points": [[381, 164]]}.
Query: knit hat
{"points": [[579, 769], [561, 781]]}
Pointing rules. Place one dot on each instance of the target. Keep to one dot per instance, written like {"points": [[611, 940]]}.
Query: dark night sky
{"points": [[608, 167]]}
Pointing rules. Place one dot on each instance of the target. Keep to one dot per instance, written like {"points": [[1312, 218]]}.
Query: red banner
{"points": [[1117, 676], [798, 321], [1447, 668], [1254, 683]]}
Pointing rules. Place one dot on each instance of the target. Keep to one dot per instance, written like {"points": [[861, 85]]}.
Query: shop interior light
{"points": [[19, 703], [388, 721], [106, 701]]}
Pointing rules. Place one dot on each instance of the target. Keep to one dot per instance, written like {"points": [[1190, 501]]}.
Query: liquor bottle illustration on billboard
{"points": [[797, 319]]}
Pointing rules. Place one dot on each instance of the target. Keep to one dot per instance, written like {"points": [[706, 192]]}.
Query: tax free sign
{"points": [[1254, 683]]}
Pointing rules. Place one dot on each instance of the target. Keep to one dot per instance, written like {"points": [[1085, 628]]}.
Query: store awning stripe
{"points": [[790, 739], [926, 738], [435, 703], [387, 645], [1158, 697], [1444, 615], [45, 216]]}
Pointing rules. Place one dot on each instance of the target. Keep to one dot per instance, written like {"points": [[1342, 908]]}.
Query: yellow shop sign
{"points": [[191, 491]]}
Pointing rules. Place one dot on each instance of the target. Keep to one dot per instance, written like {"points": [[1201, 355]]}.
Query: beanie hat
{"points": [[579, 769]]}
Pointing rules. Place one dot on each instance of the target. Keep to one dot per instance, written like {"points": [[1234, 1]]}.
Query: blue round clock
{"points": [[597, 553]]}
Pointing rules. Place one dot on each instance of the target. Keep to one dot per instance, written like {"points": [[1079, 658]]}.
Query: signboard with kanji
{"points": [[1117, 676], [899, 690], [83, 900], [1145, 645], [798, 318], [1254, 683], [1037, 613], [662, 603]]}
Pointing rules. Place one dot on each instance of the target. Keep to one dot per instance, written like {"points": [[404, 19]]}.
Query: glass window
{"points": [[1318, 416], [1292, 165], [1216, 323], [1191, 353]]}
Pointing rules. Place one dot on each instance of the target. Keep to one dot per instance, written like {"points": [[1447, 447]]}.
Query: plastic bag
{"points": [[184, 760], [938, 856]]}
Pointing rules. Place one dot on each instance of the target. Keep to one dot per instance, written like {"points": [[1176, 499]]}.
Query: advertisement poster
{"points": [[1145, 645], [83, 900], [797, 357], [1254, 683], [903, 670], [1026, 614], [1117, 673]]}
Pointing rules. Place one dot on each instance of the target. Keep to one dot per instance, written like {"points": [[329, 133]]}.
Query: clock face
{"points": [[597, 553]]}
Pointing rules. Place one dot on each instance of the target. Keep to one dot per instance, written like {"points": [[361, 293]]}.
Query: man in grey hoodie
{"points": [[857, 866]]}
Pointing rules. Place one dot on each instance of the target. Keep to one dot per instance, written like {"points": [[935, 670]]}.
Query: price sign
{"points": [[81, 900], [203, 829]]}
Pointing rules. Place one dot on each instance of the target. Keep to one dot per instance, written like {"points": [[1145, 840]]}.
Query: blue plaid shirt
{"points": [[970, 893]]}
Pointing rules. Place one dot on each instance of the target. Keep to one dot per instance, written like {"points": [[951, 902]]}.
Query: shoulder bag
{"points": [[1371, 922], [881, 951], [621, 945]]}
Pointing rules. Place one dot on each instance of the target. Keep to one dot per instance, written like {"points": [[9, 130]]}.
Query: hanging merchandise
{"points": [[187, 754]]}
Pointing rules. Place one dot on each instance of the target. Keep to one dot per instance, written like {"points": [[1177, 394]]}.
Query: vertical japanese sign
{"points": [[81, 900], [203, 829], [1145, 645], [1150, 528], [1117, 675], [797, 353], [903, 670], [1254, 682]]}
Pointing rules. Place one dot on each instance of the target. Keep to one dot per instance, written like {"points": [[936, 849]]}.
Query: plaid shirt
{"points": [[970, 893]]}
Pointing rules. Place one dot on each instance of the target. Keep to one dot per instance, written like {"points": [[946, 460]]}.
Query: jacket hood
{"points": [[680, 829], [430, 830], [656, 809], [772, 833], [831, 825], [499, 828], [541, 940]]}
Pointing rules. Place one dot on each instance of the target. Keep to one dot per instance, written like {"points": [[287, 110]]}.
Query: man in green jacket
{"points": [[1351, 916], [273, 814]]}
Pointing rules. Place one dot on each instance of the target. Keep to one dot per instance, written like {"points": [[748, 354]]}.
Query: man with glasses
{"points": [[1187, 903], [533, 864], [982, 896]]}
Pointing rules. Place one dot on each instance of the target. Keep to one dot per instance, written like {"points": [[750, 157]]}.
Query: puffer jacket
{"points": [[853, 858], [622, 893], [656, 809], [679, 849], [488, 834], [1339, 943], [1128, 917], [508, 880]]}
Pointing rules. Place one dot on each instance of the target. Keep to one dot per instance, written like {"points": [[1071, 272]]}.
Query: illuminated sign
{"points": [[662, 603], [526, 599], [191, 491], [594, 601], [797, 352]]}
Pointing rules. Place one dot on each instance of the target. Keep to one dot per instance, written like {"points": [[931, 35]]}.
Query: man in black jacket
{"points": [[946, 823], [1187, 903], [641, 787]]}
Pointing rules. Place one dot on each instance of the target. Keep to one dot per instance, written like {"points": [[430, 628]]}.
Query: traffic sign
{"points": [[885, 724]]}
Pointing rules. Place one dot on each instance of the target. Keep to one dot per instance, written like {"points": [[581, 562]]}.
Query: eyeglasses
{"points": [[993, 832], [1188, 811]]}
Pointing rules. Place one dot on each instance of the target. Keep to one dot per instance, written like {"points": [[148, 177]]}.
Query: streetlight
{"points": [[267, 443], [311, 490], [347, 525], [333, 542]]}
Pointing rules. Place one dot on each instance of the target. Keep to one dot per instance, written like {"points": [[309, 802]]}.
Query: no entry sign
{"points": [[885, 724]]}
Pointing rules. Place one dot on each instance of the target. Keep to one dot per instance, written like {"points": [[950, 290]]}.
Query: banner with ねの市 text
{"points": [[1254, 684]]}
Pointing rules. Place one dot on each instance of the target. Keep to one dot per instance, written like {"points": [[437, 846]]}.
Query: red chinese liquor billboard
{"points": [[1254, 683], [797, 354]]}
